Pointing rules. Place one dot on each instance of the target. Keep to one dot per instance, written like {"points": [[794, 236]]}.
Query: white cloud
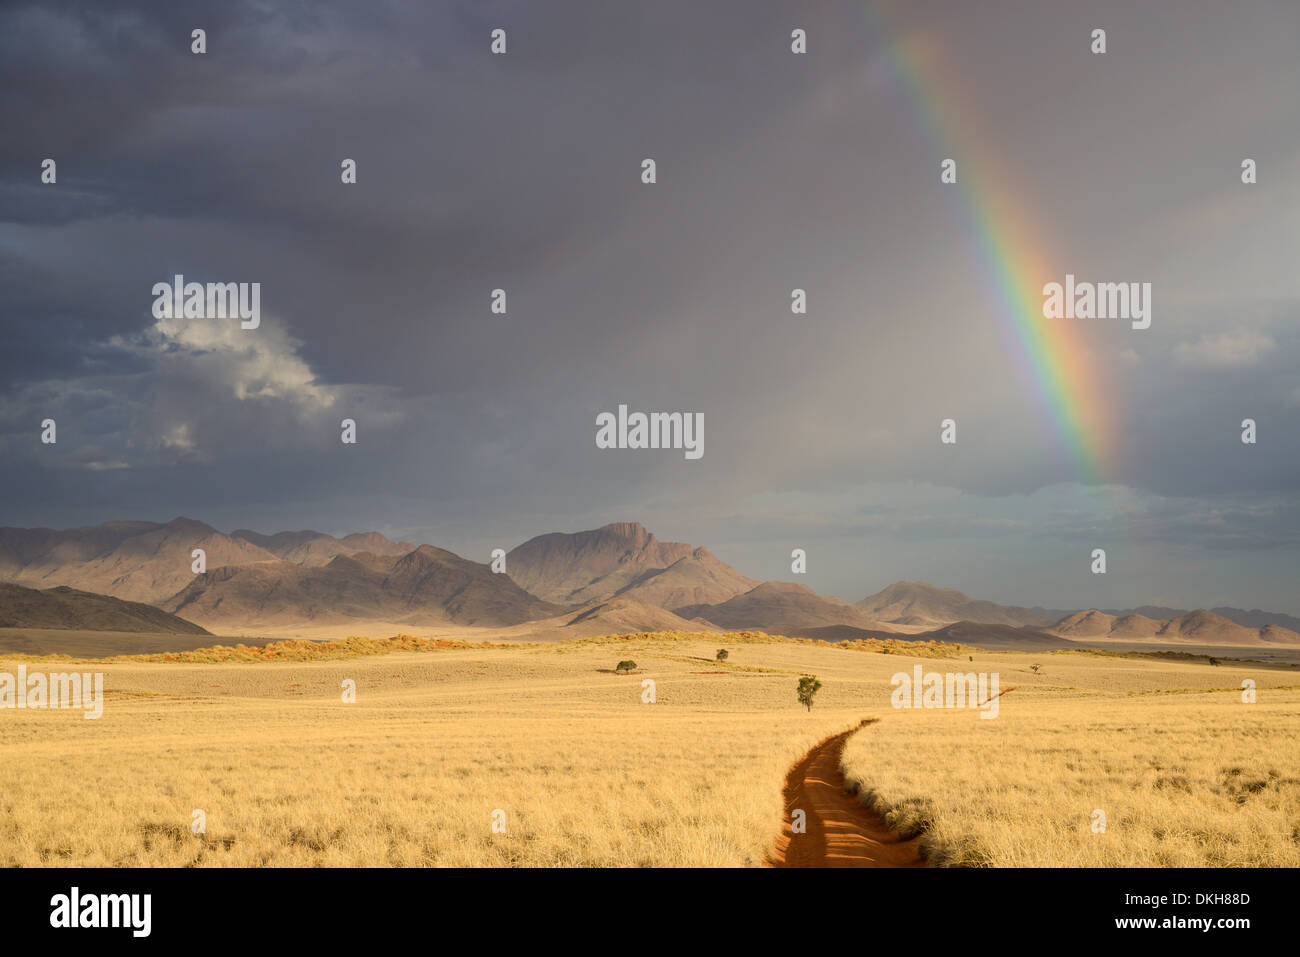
{"points": [[260, 363], [200, 389], [1242, 347]]}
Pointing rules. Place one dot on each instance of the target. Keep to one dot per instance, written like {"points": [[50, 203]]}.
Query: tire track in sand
{"points": [[841, 832]]}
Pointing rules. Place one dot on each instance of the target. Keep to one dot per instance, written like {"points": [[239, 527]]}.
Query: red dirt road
{"points": [[841, 832]]}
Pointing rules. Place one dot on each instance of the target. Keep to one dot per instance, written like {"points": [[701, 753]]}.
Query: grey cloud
{"points": [[478, 172]]}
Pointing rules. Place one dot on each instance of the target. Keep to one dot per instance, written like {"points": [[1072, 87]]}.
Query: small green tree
{"points": [[1034, 668], [808, 686], [1214, 661], [625, 666], [722, 654]]}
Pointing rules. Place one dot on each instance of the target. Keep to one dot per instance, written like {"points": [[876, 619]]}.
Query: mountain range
{"points": [[1196, 627], [423, 587], [614, 579], [916, 603], [785, 608], [150, 562], [622, 559], [1254, 618]]}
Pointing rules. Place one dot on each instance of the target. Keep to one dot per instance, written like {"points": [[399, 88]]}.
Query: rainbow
{"points": [[1052, 355]]}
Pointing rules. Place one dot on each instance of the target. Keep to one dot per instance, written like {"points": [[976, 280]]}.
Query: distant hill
{"points": [[317, 548], [1158, 612], [1254, 618], [1277, 635], [426, 586], [699, 578], [1134, 626], [917, 603], [1085, 624], [609, 616], [68, 608], [1208, 628], [1195, 627], [994, 637], [135, 561], [781, 608], [1259, 619], [617, 615], [148, 561], [583, 566]]}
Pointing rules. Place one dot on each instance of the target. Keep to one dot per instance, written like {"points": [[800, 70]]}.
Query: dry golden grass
{"points": [[1186, 773], [300, 649], [410, 774], [586, 773]]}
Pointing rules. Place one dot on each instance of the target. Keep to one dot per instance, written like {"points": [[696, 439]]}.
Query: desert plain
{"points": [[459, 753]]}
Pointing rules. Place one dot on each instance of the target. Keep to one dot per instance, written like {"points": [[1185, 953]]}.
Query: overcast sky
{"points": [[775, 171]]}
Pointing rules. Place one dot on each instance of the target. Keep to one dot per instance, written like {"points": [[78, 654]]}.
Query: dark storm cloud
{"points": [[521, 172]]}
